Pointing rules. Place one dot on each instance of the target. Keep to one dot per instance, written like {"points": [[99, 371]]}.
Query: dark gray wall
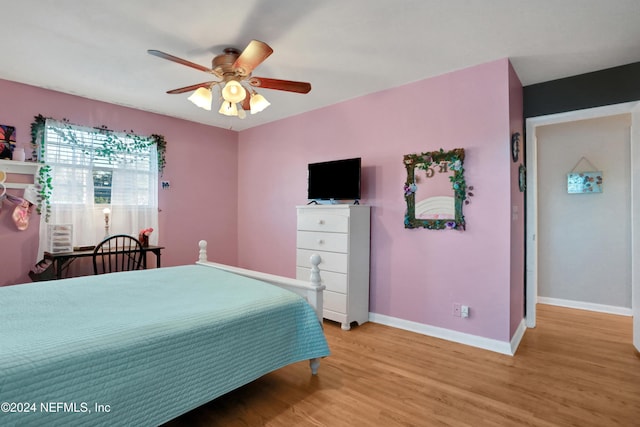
{"points": [[606, 87]]}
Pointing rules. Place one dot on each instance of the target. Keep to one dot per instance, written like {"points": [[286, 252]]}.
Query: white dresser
{"points": [[340, 235]]}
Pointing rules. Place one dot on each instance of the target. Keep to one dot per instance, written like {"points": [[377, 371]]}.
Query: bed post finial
{"points": [[315, 271], [202, 256]]}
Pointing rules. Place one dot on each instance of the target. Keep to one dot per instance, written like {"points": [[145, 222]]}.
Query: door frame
{"points": [[531, 262]]}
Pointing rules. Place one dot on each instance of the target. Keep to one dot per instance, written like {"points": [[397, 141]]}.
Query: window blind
{"points": [[92, 169]]}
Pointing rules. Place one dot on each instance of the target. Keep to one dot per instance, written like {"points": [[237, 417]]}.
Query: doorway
{"points": [[532, 267]]}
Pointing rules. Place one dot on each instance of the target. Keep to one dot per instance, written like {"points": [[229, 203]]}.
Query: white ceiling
{"points": [[345, 48]]}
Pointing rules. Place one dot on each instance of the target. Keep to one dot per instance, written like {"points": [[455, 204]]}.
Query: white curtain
{"points": [[134, 195]]}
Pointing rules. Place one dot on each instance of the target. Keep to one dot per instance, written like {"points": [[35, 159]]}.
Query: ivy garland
{"points": [[44, 178], [111, 145], [454, 160]]}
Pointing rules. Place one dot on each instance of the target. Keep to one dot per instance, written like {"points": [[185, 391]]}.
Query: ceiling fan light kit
{"points": [[202, 98], [233, 92], [234, 68], [228, 109], [258, 102]]}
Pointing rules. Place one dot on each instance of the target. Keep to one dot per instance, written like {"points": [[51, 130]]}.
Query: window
{"points": [[92, 169], [102, 186]]}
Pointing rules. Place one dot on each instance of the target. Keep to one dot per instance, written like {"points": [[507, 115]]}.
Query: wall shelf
{"points": [[21, 168]]}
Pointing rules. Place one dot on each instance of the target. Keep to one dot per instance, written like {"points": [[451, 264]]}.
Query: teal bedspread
{"points": [[140, 348]]}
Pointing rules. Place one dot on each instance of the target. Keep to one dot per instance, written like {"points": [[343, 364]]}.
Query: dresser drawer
{"points": [[323, 222], [334, 301], [331, 261], [333, 242], [335, 282]]}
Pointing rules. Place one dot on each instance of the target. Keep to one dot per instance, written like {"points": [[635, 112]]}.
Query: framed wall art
{"points": [[584, 182], [7, 141], [589, 181]]}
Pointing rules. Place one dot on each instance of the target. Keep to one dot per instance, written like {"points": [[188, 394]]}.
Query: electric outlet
{"points": [[464, 311], [456, 310]]}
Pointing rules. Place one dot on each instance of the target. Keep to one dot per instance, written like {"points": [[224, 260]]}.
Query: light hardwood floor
{"points": [[576, 368]]}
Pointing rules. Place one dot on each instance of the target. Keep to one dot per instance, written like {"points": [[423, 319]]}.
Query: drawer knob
{"points": [[320, 241], [321, 221]]}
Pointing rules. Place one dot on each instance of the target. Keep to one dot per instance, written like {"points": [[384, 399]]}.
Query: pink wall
{"points": [[416, 275], [517, 205], [201, 166]]}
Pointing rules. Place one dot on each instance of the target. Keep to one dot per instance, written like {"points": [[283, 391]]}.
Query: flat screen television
{"points": [[334, 180]]}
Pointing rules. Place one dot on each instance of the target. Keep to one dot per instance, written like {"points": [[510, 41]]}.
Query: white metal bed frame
{"points": [[311, 290]]}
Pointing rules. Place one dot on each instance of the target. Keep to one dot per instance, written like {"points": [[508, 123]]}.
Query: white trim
{"points": [[532, 195], [517, 337], [588, 113], [581, 305], [502, 347], [635, 216], [531, 267]]}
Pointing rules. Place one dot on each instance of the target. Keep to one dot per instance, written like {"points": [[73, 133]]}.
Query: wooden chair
{"points": [[119, 252]]}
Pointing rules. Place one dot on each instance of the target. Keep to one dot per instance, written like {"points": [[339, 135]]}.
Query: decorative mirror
{"points": [[435, 190]]}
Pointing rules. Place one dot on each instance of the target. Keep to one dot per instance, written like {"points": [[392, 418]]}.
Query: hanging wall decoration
{"points": [[586, 181], [522, 178], [435, 190], [515, 146]]}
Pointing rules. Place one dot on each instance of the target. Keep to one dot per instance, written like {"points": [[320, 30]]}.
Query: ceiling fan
{"points": [[234, 69]]}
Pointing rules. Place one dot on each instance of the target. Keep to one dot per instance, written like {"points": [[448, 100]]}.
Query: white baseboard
{"points": [[611, 309], [503, 347], [517, 336]]}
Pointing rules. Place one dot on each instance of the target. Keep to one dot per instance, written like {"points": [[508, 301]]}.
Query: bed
{"points": [[142, 347]]}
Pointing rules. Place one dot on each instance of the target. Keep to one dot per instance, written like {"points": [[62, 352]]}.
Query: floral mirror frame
{"points": [[447, 161]]}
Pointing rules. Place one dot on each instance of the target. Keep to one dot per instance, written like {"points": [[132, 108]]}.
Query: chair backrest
{"points": [[119, 252]]}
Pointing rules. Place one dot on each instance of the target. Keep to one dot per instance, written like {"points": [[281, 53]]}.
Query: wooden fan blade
{"points": [[246, 102], [190, 88], [179, 60], [252, 56], [288, 85]]}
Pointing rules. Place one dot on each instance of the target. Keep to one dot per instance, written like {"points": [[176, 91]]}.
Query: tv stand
{"points": [[340, 234]]}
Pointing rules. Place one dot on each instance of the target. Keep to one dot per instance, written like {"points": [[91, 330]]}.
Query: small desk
{"points": [[61, 261]]}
